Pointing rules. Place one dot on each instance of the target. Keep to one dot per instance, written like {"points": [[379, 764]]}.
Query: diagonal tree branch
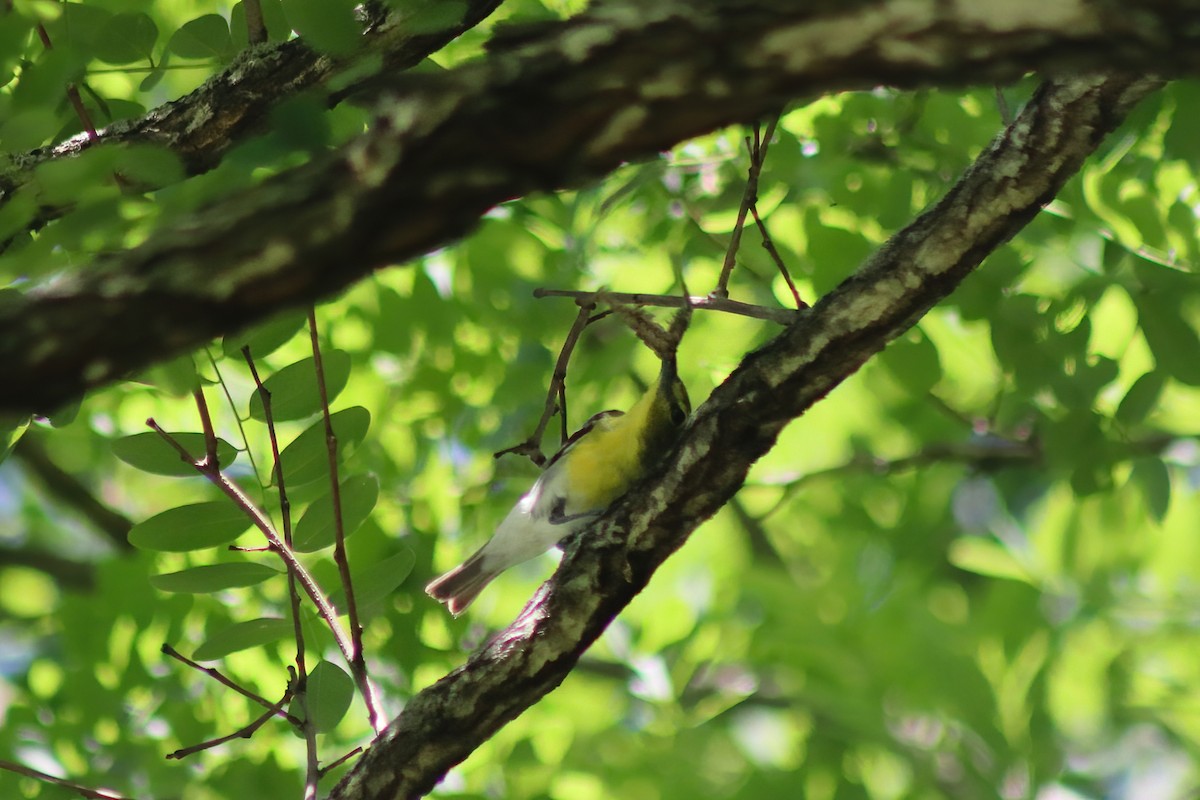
{"points": [[563, 105], [604, 569], [235, 104]]}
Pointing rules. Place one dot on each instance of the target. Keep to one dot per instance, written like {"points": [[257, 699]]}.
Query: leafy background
{"points": [[969, 573]]}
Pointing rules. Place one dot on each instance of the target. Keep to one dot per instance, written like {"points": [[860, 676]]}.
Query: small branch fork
{"points": [[627, 304]]}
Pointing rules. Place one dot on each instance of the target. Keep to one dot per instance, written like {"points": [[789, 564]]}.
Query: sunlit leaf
{"points": [[307, 457], [243, 636], [213, 577], [294, 393], [150, 453], [191, 527], [330, 691], [316, 529], [126, 37], [376, 581]]}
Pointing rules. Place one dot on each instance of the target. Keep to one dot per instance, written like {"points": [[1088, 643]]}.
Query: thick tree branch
{"points": [[236, 103], [614, 559], [562, 105]]}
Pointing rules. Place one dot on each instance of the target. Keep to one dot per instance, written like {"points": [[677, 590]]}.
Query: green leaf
{"points": [[1174, 343], [325, 25], [986, 557], [315, 530], [1154, 479], [149, 165], [204, 37], [126, 38], [376, 581], [149, 453], [213, 577], [243, 636], [266, 338], [28, 129], [293, 389], [330, 691], [11, 431], [1141, 398], [177, 377], [191, 527], [307, 457]]}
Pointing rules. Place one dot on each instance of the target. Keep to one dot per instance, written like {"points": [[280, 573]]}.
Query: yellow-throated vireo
{"points": [[597, 465]]}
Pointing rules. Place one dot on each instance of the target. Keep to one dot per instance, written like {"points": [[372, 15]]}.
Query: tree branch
{"points": [[236, 103], [565, 104], [603, 569]]}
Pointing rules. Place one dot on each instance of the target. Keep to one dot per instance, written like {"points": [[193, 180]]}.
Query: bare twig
{"points": [[300, 675], [342, 760], [783, 316], [210, 435], [82, 791], [769, 245], [531, 447], [76, 101], [217, 676], [256, 28], [358, 664], [758, 152], [241, 733]]}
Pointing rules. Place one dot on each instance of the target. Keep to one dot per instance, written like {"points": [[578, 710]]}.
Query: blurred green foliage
{"points": [[970, 573]]}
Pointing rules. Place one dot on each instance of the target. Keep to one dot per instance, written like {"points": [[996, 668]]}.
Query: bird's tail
{"points": [[461, 585]]}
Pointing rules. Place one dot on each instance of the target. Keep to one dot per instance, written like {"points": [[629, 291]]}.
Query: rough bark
{"points": [[236, 103], [613, 561], [554, 106]]}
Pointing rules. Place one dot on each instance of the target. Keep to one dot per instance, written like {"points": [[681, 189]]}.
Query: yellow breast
{"points": [[608, 460]]}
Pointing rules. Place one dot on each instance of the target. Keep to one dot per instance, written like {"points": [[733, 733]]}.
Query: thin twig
{"points": [[358, 665], [769, 245], [335, 764], [260, 520], [749, 197], [531, 447], [285, 513], [210, 435], [82, 791], [76, 101], [256, 28], [783, 316], [217, 676], [233, 408], [241, 733]]}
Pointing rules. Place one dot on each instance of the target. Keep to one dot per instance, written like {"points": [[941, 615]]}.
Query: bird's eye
{"points": [[678, 415]]}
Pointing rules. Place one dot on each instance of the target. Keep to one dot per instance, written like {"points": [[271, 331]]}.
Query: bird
{"points": [[596, 465]]}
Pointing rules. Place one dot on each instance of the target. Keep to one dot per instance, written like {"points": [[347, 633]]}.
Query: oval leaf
{"points": [[376, 581], [149, 453], [191, 527], [330, 691], [264, 339], [213, 577], [315, 529], [204, 37], [243, 636], [126, 38], [293, 389], [1141, 398], [307, 459], [986, 557]]}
